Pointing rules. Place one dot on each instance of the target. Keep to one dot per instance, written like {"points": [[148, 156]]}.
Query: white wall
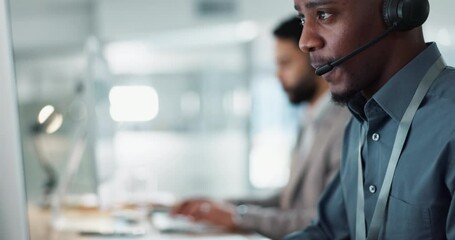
{"points": [[69, 22]]}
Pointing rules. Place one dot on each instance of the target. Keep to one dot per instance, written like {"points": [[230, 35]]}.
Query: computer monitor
{"points": [[13, 213]]}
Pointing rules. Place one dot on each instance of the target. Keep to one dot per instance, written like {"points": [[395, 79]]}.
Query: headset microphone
{"points": [[329, 66]]}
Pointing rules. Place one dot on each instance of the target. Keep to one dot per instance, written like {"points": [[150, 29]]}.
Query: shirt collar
{"points": [[403, 85]]}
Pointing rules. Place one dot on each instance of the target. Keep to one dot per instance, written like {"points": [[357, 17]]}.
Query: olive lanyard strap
{"points": [[403, 129]]}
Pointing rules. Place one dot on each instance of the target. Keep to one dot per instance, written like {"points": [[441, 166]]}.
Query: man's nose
{"points": [[310, 40]]}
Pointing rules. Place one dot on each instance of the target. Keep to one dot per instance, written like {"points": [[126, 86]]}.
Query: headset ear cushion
{"points": [[407, 14], [387, 13], [414, 14]]}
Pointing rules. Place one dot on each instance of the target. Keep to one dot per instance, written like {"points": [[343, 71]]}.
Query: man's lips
{"points": [[316, 65], [317, 62]]}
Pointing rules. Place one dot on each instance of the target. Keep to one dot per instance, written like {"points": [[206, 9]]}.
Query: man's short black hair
{"points": [[291, 28]]}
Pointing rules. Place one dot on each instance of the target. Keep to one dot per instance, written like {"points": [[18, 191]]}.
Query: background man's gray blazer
{"points": [[294, 207]]}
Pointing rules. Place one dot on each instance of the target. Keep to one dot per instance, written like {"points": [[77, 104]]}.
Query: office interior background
{"points": [[158, 100]]}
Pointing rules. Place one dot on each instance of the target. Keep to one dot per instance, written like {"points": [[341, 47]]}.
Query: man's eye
{"points": [[302, 20], [323, 15]]}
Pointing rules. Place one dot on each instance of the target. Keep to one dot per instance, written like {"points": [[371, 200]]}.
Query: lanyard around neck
{"points": [[403, 129]]}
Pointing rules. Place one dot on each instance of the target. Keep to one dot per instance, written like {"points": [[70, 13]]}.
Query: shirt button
{"points": [[372, 188], [375, 137]]}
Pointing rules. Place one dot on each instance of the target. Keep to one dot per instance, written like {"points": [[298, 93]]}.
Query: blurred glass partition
{"points": [[55, 103], [129, 119], [181, 114], [13, 211]]}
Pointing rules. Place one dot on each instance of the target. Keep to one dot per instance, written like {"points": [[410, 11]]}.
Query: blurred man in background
{"points": [[315, 158]]}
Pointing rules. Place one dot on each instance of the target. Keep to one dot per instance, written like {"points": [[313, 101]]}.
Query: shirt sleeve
{"points": [[274, 222], [271, 201], [332, 222], [450, 182]]}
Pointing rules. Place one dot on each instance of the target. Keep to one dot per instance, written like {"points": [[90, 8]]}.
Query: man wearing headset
{"points": [[316, 156], [397, 176]]}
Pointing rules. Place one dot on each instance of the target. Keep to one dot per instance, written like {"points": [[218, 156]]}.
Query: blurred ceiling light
{"points": [[133, 103], [247, 30], [128, 57], [49, 120], [269, 154], [443, 37]]}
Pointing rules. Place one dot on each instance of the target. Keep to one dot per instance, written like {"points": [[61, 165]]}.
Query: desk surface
{"points": [[41, 228], [157, 236]]}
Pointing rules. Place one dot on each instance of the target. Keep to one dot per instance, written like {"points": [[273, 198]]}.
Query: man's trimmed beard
{"points": [[352, 89], [343, 99]]}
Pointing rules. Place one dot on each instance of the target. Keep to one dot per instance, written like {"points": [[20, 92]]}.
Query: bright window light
{"points": [[237, 102], [133, 103], [269, 160], [241, 104]]}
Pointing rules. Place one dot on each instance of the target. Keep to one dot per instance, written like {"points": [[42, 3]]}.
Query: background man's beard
{"points": [[302, 93], [298, 97]]}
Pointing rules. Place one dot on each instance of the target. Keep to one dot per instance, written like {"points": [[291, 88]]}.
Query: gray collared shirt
{"points": [[421, 204]]}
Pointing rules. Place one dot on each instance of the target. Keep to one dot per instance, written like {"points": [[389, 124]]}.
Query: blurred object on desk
{"points": [[75, 223], [39, 221], [164, 223], [154, 201]]}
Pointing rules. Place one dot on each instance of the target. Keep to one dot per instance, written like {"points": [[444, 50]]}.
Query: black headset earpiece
{"points": [[406, 14]]}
